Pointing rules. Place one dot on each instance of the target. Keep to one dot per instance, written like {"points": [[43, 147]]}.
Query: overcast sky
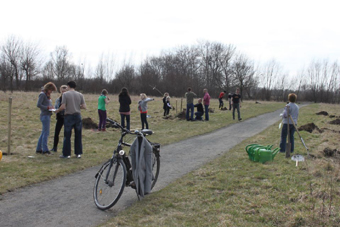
{"points": [[293, 32]]}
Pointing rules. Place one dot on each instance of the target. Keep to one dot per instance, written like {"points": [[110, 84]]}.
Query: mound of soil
{"points": [[224, 108], [309, 128], [329, 152], [322, 113], [89, 124], [181, 115], [335, 122]]}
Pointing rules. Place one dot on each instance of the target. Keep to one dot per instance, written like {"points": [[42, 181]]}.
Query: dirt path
{"points": [[67, 201]]}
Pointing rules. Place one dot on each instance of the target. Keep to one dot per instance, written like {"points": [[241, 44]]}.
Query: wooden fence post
{"points": [[181, 104], [9, 125], [176, 106]]}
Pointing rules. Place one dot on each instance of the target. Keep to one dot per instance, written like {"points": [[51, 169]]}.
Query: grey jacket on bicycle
{"points": [[141, 161]]}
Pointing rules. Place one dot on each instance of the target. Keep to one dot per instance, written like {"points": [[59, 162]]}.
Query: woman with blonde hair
{"points": [[45, 105], [59, 116], [143, 109]]}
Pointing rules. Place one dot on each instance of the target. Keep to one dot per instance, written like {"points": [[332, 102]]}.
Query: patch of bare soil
{"points": [[328, 152], [335, 122], [224, 108], [309, 128], [89, 124], [322, 113]]}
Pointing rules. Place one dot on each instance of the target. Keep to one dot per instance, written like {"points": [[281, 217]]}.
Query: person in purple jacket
{"points": [[206, 102]]}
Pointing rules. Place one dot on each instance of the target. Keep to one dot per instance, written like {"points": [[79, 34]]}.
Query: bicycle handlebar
{"points": [[117, 125]]}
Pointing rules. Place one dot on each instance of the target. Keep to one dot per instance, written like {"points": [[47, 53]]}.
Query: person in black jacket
{"points": [[60, 118], [124, 108], [200, 111]]}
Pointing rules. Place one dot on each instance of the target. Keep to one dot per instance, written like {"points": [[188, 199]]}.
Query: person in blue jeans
{"points": [[45, 105], [189, 95], [293, 110], [72, 102]]}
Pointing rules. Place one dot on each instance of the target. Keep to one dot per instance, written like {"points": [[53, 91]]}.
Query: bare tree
{"points": [[270, 72], [60, 59], [29, 61], [243, 73], [12, 50]]}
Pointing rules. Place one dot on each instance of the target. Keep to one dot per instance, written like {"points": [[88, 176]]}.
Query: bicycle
{"points": [[116, 173]]}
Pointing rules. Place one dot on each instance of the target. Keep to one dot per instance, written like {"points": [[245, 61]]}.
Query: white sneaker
{"points": [[78, 156]]}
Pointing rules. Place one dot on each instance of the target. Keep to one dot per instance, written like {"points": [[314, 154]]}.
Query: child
{"points": [[143, 109], [168, 106]]}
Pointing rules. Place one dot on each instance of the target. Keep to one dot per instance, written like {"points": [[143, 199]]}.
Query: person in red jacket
{"points": [[220, 98]]}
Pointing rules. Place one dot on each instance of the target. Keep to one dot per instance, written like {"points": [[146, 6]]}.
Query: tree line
{"points": [[212, 65]]}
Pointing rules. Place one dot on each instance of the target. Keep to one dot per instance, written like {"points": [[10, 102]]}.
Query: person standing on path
{"points": [[72, 102], [220, 99], [206, 102], [235, 102], [143, 109], [294, 113], [60, 118], [45, 104], [189, 95], [124, 107], [103, 100]]}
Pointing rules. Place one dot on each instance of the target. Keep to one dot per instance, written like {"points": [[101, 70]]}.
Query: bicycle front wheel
{"points": [[155, 167], [110, 183]]}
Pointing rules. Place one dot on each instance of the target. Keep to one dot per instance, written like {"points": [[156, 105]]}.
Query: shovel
{"points": [[288, 145], [303, 142]]}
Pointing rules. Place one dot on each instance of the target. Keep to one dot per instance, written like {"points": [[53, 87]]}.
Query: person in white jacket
{"points": [[293, 110]]}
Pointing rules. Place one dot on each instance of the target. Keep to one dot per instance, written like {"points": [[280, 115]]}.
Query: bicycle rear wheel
{"points": [[155, 167], [110, 183]]}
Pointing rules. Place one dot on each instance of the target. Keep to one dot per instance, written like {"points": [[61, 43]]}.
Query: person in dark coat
{"points": [[166, 94], [124, 107]]}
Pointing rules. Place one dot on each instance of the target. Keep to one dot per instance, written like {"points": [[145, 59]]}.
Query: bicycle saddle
{"points": [[147, 132]]}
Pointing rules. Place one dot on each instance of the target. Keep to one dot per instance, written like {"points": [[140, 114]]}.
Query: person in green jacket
{"points": [[102, 101]]}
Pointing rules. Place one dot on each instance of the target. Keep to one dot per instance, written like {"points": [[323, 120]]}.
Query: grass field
{"points": [[19, 169], [234, 191], [229, 191]]}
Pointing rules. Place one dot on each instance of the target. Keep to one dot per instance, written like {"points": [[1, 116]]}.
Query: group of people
{"points": [[67, 108], [70, 102], [234, 102]]}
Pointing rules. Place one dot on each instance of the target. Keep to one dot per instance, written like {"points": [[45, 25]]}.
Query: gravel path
{"points": [[67, 201]]}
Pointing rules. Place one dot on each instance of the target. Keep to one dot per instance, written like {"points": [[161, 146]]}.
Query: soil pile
{"points": [[322, 113], [335, 122], [89, 124], [330, 153], [181, 115], [309, 128], [224, 108]]}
